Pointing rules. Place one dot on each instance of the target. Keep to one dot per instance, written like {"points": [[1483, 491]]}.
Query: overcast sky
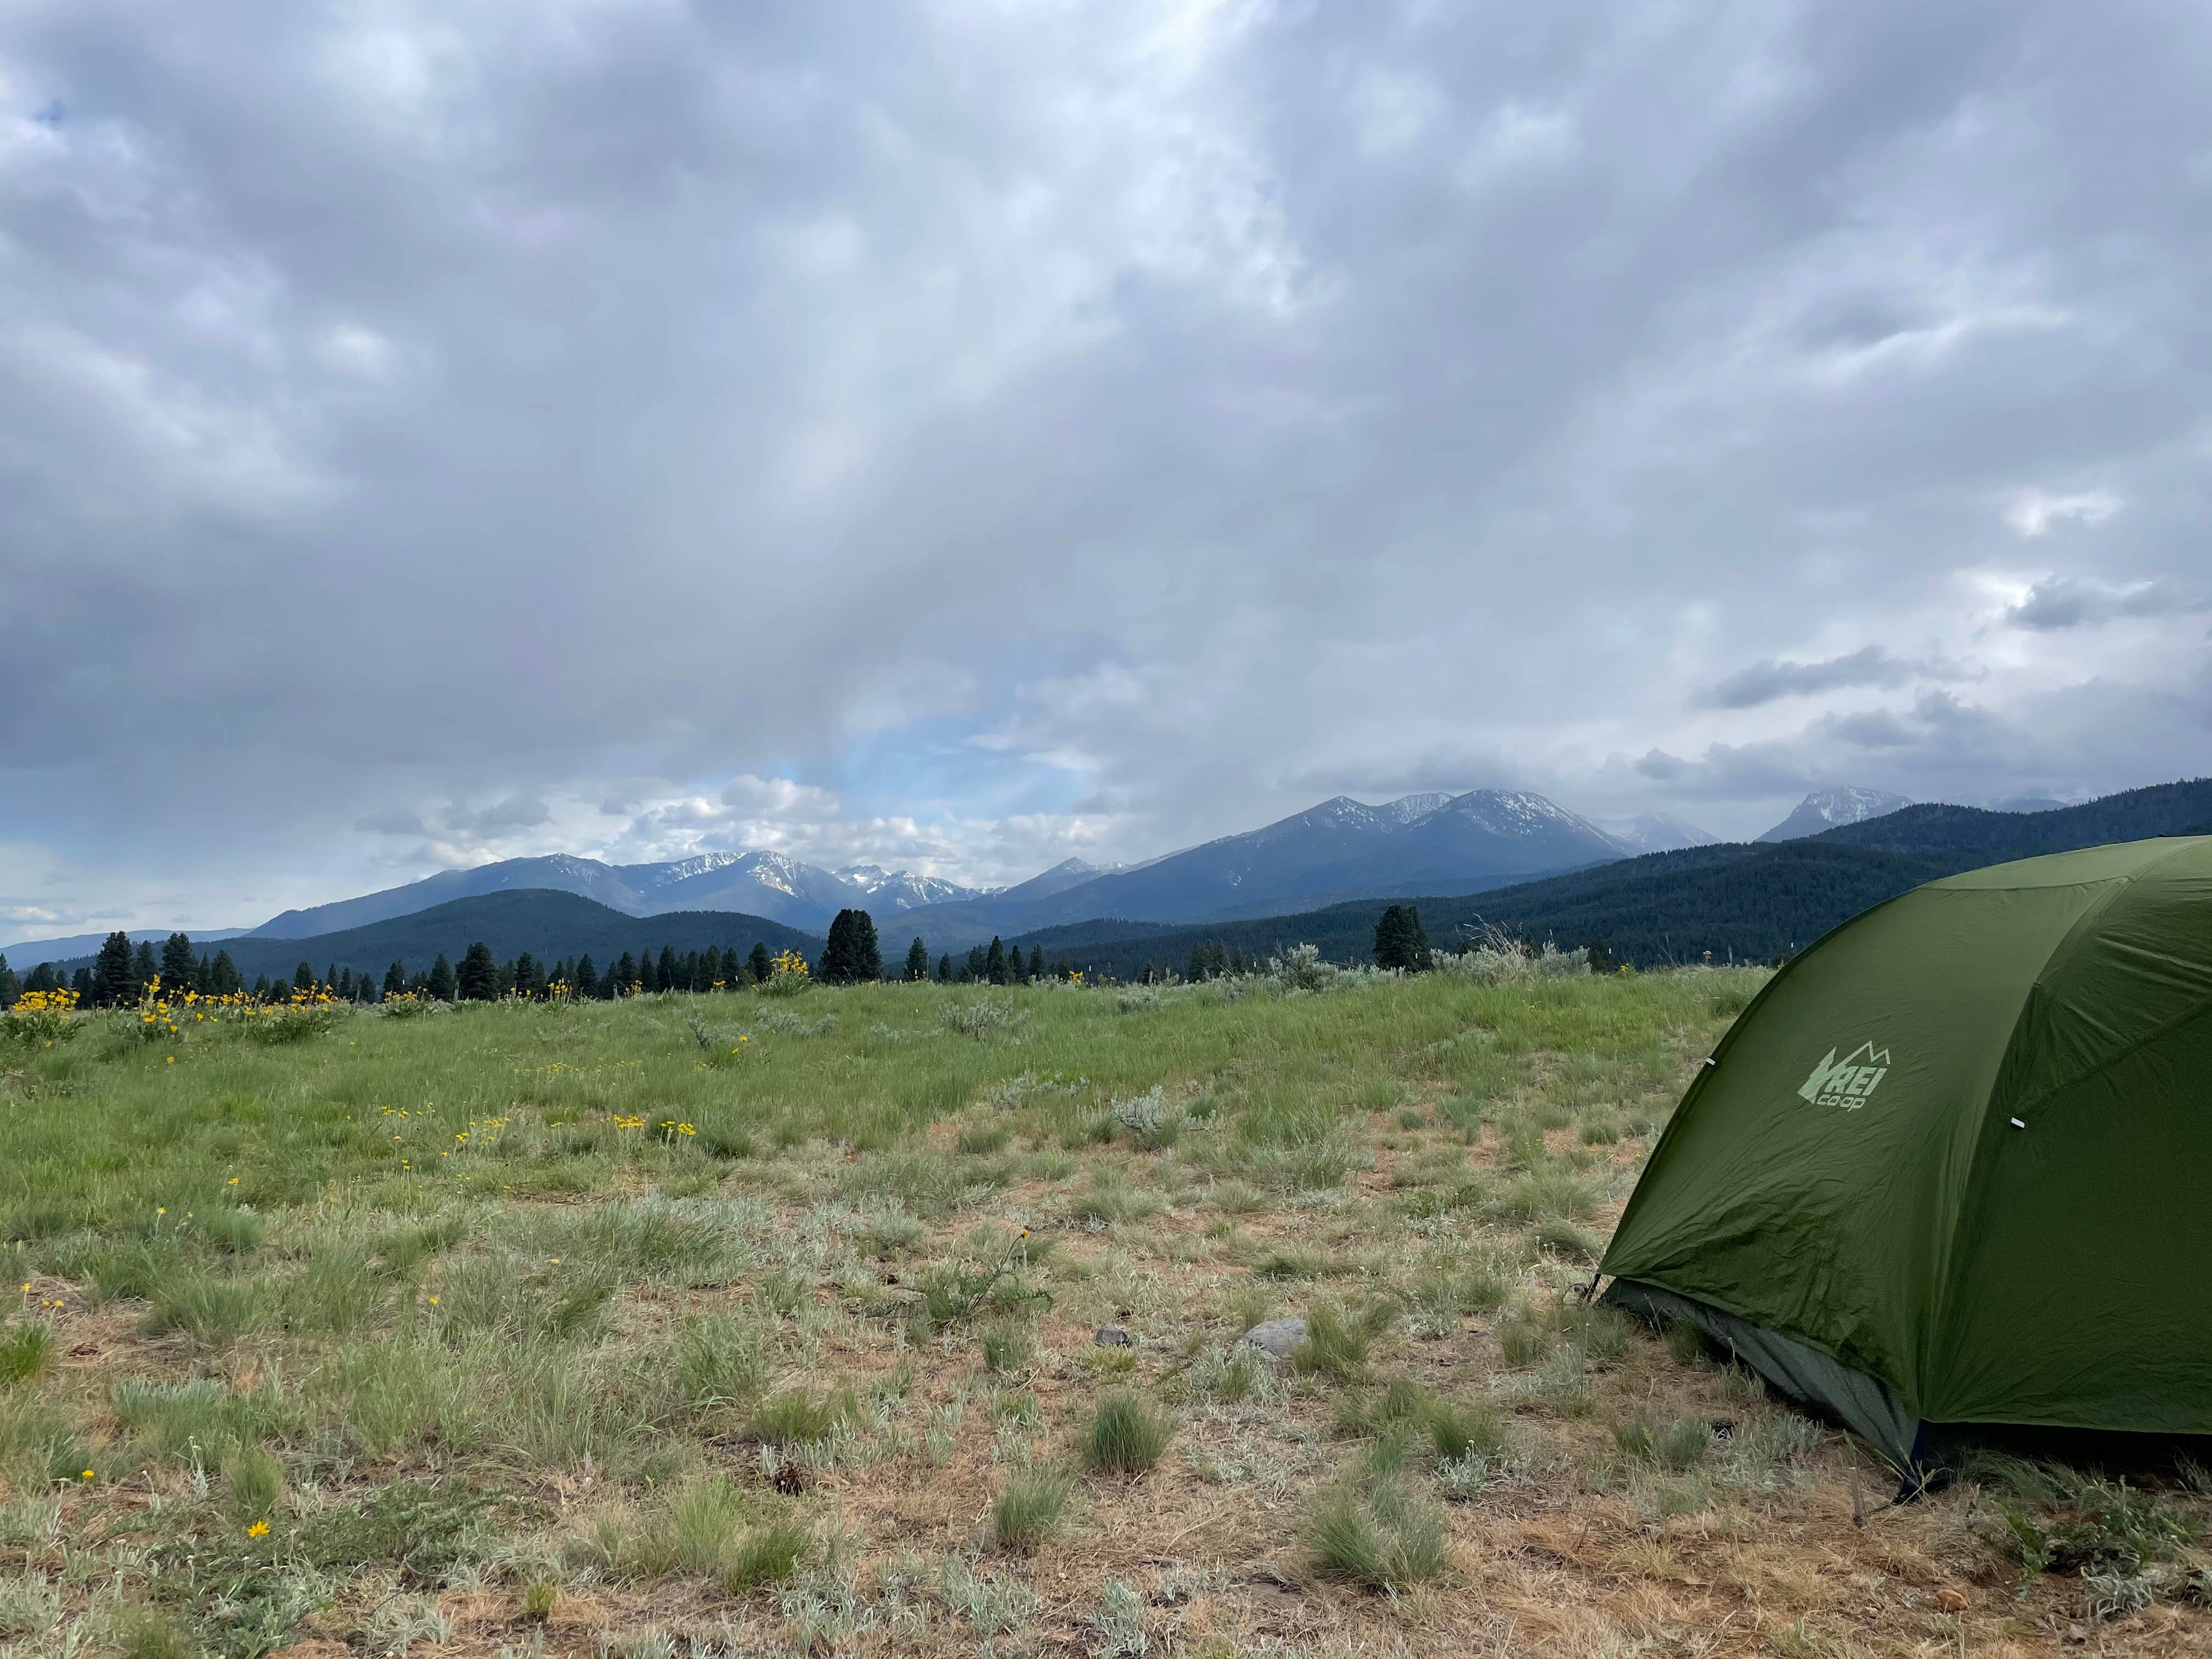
{"points": [[964, 435]]}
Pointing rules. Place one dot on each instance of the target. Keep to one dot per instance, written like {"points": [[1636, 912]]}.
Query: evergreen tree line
{"points": [[119, 975], [121, 972]]}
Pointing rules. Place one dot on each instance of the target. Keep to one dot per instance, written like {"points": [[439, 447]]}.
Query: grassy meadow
{"points": [[749, 1324]]}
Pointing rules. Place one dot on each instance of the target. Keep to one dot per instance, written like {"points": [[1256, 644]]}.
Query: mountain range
{"points": [[1751, 901], [1340, 850]]}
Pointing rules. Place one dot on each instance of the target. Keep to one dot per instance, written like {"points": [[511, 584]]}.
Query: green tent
{"points": [[1954, 1164]]}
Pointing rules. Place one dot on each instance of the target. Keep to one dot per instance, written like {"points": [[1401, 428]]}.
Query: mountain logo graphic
{"points": [[1850, 1084]]}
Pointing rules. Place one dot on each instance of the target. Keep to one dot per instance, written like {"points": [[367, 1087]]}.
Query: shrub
{"points": [[1030, 1508], [977, 1018], [1124, 1437]]}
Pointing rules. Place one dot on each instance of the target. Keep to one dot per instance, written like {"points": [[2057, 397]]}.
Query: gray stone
{"points": [[1112, 1336], [1275, 1338]]}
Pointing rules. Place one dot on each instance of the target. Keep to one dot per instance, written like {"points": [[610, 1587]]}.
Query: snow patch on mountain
{"points": [[1825, 809]]}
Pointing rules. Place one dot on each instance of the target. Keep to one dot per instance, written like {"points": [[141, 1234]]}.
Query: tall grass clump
{"points": [[1124, 1437], [1379, 1534], [25, 1351], [1030, 1509]]}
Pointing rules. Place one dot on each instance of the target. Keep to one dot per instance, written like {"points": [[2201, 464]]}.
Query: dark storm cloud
{"points": [[1085, 429]]}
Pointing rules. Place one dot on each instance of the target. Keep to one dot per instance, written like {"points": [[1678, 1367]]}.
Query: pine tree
{"points": [[625, 973], [917, 961], [395, 980], [670, 978], [345, 984], [224, 977], [761, 963], [10, 987], [978, 965], [43, 978], [1400, 942], [584, 979], [303, 978], [1601, 955], [478, 979], [81, 982], [994, 961], [1037, 961], [852, 955], [110, 980], [526, 980], [261, 987], [441, 984], [178, 963], [944, 969], [204, 976]]}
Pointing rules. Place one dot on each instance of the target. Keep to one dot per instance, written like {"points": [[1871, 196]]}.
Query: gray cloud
{"points": [[999, 433], [2067, 602], [1765, 682]]}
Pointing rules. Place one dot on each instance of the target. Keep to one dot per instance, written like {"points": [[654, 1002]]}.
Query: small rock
{"points": [[1275, 1338], [1112, 1336]]}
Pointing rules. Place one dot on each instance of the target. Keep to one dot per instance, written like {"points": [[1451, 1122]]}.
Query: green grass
{"points": [[1029, 1510], [1124, 1437], [434, 1300]]}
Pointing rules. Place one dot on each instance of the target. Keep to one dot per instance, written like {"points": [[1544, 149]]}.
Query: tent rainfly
{"points": [[1953, 1166]]}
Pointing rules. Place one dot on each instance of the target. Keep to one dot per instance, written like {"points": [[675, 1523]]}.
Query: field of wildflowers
{"points": [[907, 1318]]}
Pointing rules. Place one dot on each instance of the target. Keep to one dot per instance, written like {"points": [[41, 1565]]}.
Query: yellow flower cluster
{"points": [[669, 1127]]}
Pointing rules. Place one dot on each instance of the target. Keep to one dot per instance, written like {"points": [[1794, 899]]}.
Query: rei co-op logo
{"points": [[1849, 1085]]}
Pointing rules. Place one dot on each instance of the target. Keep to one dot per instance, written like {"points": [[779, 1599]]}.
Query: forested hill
{"points": [[550, 925], [1741, 900]]}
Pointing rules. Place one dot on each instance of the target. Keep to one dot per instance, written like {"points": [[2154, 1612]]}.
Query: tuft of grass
{"points": [[720, 1362], [794, 1417], [211, 1311], [1569, 1243], [1379, 1535], [1677, 1445], [253, 1484], [1335, 1347], [141, 1632], [1124, 1437], [1459, 1433], [538, 1598], [769, 1554], [1030, 1509], [234, 1230], [25, 1351]]}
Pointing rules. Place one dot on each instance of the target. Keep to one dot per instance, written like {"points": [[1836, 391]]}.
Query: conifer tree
{"points": [[43, 978], [584, 978], [224, 977], [761, 963], [994, 961], [110, 981], [261, 987], [178, 963], [670, 978], [144, 965], [852, 955], [478, 979], [10, 987], [303, 977], [1601, 955], [204, 976], [917, 961], [1037, 961], [345, 984], [979, 965], [395, 980], [625, 973], [440, 983], [81, 982], [944, 969], [1400, 941]]}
